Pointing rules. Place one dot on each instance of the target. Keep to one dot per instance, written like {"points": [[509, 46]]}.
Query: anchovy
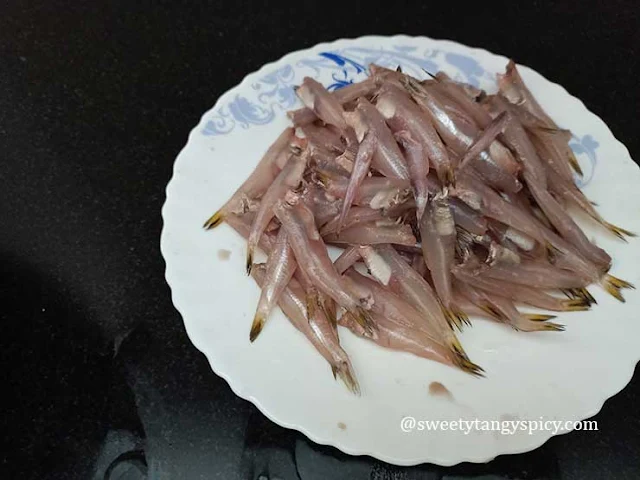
{"points": [[388, 158], [257, 183], [289, 177], [325, 106], [316, 330], [418, 169], [313, 259], [280, 267]]}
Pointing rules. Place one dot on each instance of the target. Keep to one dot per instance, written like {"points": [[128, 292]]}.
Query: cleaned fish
{"points": [[313, 258], [258, 182], [279, 269], [316, 330], [289, 177], [454, 202], [315, 97]]}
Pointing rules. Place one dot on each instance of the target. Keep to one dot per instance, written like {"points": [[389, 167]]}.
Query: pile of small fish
{"points": [[454, 200]]}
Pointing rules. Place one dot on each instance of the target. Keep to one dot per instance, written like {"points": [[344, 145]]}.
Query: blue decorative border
{"points": [[274, 91]]}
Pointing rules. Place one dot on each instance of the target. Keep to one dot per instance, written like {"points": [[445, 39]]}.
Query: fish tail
{"points": [[493, 312], [618, 282], [573, 161], [249, 261], [456, 348], [549, 327], [581, 294], [567, 292], [575, 305], [613, 291], [619, 232], [462, 317], [527, 324], [572, 293], [346, 374], [536, 317], [613, 285], [453, 325], [586, 294], [257, 325], [214, 220], [454, 321], [468, 366]]}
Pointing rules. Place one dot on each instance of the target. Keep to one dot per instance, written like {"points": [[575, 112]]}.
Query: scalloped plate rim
{"points": [[239, 390]]}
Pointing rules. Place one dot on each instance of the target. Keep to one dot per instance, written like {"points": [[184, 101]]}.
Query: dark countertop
{"points": [[96, 100]]}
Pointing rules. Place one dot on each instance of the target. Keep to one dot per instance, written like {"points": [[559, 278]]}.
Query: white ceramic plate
{"points": [[544, 376]]}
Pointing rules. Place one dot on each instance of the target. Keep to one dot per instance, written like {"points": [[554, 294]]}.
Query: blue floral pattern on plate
{"points": [[585, 149], [274, 91]]}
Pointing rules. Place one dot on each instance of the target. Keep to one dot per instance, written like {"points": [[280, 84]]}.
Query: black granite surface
{"points": [[96, 99]]}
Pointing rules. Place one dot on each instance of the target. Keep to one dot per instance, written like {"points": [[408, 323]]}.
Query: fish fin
{"points": [[346, 374], [214, 220], [364, 319], [311, 301], [573, 161], [536, 317], [257, 326], [249, 261], [329, 313]]}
